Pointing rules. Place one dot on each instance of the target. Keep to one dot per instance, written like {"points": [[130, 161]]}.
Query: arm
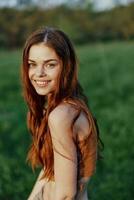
{"points": [[65, 155], [37, 187]]}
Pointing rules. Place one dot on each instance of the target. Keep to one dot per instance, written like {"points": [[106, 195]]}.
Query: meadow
{"points": [[106, 72]]}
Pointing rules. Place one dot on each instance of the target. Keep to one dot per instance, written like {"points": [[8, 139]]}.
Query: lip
{"points": [[41, 80], [42, 83]]}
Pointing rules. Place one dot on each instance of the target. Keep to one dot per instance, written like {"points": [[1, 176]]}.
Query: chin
{"points": [[40, 92]]}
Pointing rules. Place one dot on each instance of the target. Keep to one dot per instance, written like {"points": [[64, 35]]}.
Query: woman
{"points": [[64, 133]]}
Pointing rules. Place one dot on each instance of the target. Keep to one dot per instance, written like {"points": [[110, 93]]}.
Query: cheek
{"points": [[30, 73], [56, 74]]}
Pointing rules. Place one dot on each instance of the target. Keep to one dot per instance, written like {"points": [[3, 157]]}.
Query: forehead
{"points": [[41, 51]]}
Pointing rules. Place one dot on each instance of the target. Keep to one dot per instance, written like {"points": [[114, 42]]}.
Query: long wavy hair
{"points": [[68, 88]]}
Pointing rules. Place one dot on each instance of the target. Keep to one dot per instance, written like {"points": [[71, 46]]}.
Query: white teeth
{"points": [[42, 83]]}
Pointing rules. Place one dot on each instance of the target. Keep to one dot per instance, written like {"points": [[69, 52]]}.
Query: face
{"points": [[44, 68]]}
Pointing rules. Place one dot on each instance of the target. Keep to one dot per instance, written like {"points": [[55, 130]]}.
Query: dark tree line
{"points": [[82, 24]]}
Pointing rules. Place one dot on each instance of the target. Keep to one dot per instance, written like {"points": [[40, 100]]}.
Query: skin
{"points": [[65, 170], [44, 65]]}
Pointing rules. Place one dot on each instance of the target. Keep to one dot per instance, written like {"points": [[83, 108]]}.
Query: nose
{"points": [[40, 71]]}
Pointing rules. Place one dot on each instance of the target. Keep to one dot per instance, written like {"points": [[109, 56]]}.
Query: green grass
{"points": [[107, 74]]}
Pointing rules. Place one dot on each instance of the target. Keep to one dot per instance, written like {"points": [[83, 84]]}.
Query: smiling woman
{"points": [[44, 68], [65, 136]]}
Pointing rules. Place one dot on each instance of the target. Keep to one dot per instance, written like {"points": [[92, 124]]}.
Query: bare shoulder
{"points": [[62, 114], [82, 126]]}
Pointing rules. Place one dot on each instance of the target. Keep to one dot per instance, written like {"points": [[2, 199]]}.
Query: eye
{"points": [[51, 65], [31, 65]]}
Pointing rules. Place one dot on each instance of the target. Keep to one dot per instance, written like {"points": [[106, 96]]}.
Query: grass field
{"points": [[107, 75]]}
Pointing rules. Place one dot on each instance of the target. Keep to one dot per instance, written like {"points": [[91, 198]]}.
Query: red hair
{"points": [[68, 88]]}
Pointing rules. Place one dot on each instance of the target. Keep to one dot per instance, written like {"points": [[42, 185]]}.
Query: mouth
{"points": [[42, 83]]}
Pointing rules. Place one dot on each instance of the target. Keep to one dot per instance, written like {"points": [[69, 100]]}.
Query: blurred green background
{"points": [[105, 48]]}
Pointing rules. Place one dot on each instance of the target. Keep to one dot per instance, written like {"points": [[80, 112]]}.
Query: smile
{"points": [[42, 83]]}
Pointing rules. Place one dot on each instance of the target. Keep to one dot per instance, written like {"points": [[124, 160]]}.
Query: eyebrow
{"points": [[45, 61]]}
